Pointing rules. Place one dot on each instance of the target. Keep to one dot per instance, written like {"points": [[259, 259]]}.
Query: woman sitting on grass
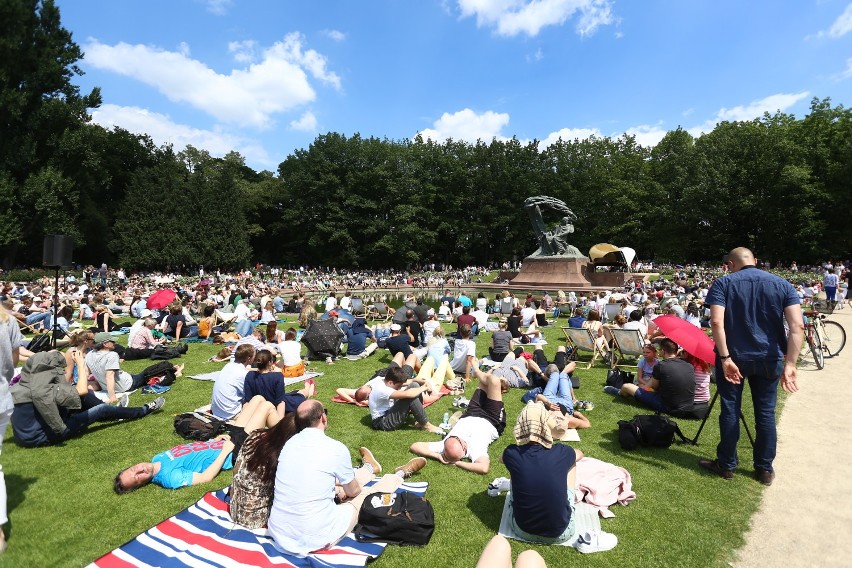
{"points": [[268, 382], [254, 473], [291, 355]]}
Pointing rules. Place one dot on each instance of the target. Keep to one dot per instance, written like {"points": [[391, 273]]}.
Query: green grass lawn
{"points": [[63, 511]]}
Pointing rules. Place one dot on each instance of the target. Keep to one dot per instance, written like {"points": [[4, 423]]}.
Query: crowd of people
{"points": [[292, 477]]}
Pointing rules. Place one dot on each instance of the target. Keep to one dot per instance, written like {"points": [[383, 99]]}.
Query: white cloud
{"points": [[243, 51], [846, 73], [467, 125], [569, 135], [248, 96], [513, 17], [647, 135], [537, 56], [335, 35], [163, 130], [841, 26], [307, 122], [218, 7], [755, 109]]}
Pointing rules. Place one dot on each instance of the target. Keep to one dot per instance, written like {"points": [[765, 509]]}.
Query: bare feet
{"points": [[179, 370]]}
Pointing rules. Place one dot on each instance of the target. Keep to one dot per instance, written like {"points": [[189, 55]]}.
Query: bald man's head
{"points": [[309, 414], [740, 257]]}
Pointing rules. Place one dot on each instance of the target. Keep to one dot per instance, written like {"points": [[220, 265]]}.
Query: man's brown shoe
{"points": [[367, 457], [765, 477], [713, 467], [413, 466]]}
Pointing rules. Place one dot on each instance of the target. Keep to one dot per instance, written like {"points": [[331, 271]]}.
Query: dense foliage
{"points": [[778, 184]]}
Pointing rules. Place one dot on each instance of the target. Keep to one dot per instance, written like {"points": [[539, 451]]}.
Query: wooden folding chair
{"points": [[581, 339], [380, 311], [626, 343]]}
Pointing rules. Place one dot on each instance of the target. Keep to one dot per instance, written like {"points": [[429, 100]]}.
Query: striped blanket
{"points": [[204, 536]]}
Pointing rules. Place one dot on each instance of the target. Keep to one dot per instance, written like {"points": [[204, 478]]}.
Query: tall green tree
{"points": [[39, 106]]}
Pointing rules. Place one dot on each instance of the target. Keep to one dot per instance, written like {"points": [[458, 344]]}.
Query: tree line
{"points": [[778, 184]]}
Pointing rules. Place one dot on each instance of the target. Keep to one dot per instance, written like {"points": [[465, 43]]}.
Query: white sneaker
{"points": [[499, 485], [124, 400], [598, 541]]}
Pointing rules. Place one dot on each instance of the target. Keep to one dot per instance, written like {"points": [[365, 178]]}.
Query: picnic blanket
{"points": [[287, 380], [441, 393], [203, 535], [585, 515]]}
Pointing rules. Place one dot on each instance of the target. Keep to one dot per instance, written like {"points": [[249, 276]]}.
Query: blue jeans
{"points": [[96, 411], [763, 379], [245, 327], [46, 319], [558, 390]]}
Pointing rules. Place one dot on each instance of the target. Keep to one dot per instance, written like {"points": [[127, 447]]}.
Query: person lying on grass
{"points": [[362, 394], [558, 395], [198, 462], [482, 423]]}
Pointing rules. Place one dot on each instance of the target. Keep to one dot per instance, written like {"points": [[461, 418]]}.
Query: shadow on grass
{"points": [[16, 490], [487, 509]]}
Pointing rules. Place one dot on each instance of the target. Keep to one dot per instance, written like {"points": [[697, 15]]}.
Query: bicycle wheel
{"points": [[815, 345], [833, 338]]}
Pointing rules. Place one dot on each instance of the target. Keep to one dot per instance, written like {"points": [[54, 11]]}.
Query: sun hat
{"points": [[396, 327], [532, 426]]}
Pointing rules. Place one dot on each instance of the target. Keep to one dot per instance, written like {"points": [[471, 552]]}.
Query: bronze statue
{"points": [[554, 241]]}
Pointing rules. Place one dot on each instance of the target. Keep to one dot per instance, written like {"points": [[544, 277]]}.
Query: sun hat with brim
{"points": [[532, 426], [103, 337]]}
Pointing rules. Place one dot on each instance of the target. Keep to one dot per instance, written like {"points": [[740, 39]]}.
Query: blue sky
{"points": [[265, 77]]}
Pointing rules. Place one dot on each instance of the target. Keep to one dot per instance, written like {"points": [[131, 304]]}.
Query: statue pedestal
{"points": [[565, 273]]}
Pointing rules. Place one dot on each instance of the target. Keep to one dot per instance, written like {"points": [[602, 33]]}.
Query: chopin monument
{"points": [[556, 263]]}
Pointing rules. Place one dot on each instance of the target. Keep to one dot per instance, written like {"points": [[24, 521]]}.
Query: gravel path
{"points": [[805, 517]]}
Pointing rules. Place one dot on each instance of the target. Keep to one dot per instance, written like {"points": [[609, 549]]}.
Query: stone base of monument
{"points": [[566, 274]]}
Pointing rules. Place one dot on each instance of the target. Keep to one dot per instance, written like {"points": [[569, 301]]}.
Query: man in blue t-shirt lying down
{"points": [[198, 462]]}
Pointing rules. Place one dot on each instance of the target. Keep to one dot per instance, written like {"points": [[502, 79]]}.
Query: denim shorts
{"points": [[567, 534]]}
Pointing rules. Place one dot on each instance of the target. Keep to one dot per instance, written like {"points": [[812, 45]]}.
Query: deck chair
{"points": [[358, 308], [506, 307], [626, 343], [380, 311], [581, 339], [26, 329]]}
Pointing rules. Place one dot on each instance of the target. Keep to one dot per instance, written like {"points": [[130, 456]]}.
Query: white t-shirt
{"points": [[330, 303], [476, 432], [429, 329], [380, 397], [464, 348], [345, 302], [304, 516], [527, 316], [291, 352], [242, 312], [228, 391], [639, 325]]}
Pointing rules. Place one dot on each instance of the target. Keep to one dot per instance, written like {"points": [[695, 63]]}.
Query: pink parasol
{"points": [[160, 299], [691, 338]]}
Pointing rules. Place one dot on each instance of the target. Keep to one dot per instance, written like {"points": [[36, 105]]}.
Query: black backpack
{"points": [[617, 377], [402, 518], [163, 370], [649, 430], [199, 427], [40, 343]]}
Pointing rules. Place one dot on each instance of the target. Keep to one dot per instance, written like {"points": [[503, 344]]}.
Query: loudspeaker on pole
{"points": [[57, 251]]}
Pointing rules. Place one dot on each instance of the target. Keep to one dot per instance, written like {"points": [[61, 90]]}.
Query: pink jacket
{"points": [[602, 484]]}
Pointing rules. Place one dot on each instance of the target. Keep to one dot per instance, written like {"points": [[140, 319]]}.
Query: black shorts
{"points": [[238, 437], [492, 410]]}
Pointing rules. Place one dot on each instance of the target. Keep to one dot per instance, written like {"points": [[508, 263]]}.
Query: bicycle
{"points": [[813, 340], [831, 334]]}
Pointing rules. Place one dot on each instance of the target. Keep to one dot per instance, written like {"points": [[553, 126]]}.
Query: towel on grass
{"points": [[203, 535], [586, 519]]}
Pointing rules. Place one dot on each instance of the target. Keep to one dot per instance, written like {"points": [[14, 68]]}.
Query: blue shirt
{"points": [[754, 302], [178, 465]]}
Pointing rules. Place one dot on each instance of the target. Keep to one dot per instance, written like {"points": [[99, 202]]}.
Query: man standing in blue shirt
{"points": [[747, 312]]}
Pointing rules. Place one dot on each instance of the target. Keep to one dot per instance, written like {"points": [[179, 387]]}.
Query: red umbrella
{"points": [[161, 298], [688, 336]]}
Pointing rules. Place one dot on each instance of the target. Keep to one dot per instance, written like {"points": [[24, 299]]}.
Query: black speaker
{"points": [[57, 250]]}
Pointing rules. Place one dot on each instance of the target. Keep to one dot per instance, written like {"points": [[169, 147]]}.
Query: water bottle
{"points": [[446, 419]]}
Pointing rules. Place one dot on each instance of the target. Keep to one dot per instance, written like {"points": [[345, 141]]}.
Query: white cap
{"points": [[396, 327]]}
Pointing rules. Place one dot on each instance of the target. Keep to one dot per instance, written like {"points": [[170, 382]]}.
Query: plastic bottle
{"points": [[446, 418]]}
